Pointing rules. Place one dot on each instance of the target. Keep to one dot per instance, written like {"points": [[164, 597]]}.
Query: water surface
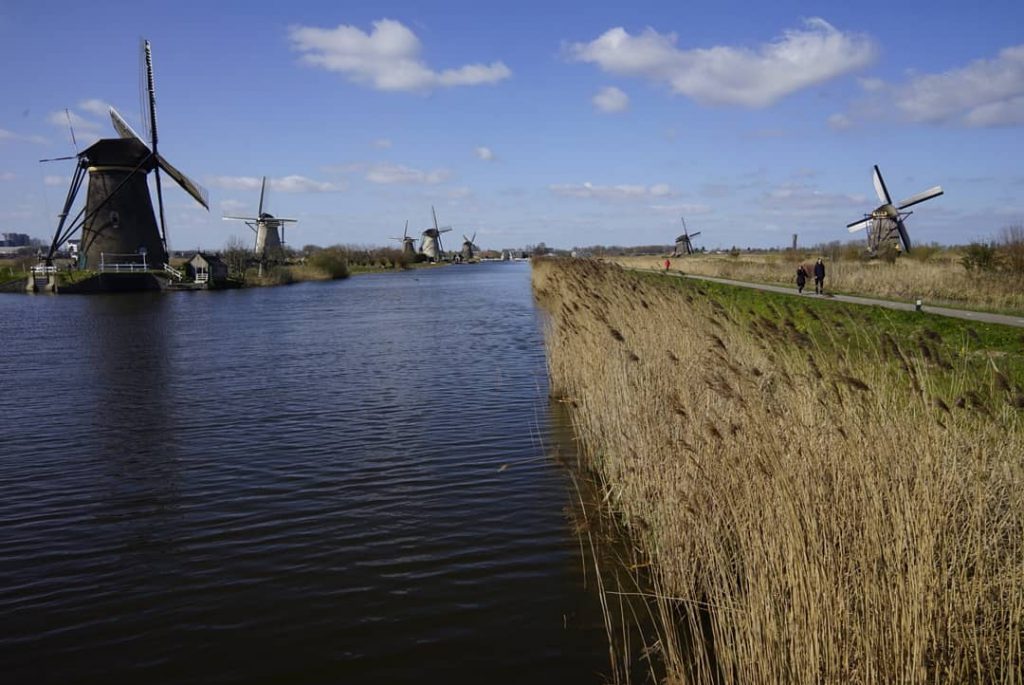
{"points": [[323, 483]]}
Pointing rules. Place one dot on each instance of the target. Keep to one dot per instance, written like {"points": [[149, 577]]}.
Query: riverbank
{"points": [[937, 277], [825, 493]]}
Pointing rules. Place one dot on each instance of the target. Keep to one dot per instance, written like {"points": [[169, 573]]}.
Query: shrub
{"points": [[332, 261], [1013, 249], [980, 257]]}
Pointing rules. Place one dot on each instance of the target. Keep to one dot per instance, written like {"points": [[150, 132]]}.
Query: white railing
{"points": [[43, 270], [123, 266], [173, 272]]}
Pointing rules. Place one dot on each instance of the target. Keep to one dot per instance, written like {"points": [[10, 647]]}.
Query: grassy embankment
{"points": [[825, 493], [938, 277]]}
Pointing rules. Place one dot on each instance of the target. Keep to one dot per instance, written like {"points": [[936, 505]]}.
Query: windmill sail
{"points": [[880, 189], [188, 185], [920, 197]]}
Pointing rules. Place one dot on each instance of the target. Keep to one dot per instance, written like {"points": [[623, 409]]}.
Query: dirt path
{"points": [[1004, 319]]}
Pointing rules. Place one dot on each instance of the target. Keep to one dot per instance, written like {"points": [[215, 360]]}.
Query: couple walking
{"points": [[819, 277]]}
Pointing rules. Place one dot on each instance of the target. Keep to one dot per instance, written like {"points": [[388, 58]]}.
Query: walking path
{"points": [[985, 317]]}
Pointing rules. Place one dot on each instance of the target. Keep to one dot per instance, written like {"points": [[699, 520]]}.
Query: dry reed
{"points": [[819, 505]]}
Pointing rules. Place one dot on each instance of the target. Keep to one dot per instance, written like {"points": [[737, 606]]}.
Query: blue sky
{"points": [[567, 123]]}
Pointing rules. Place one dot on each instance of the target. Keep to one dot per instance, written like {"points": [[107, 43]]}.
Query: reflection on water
{"points": [[342, 482]]}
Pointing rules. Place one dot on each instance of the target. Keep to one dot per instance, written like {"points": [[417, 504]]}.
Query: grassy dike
{"points": [[825, 493]]}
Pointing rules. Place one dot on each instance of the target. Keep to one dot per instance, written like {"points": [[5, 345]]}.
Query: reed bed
{"points": [[824, 493], [940, 279]]}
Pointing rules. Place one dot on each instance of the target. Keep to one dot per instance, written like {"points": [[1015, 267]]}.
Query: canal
{"points": [[346, 482]]}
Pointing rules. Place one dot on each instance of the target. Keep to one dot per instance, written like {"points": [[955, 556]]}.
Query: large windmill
{"points": [[684, 244], [430, 241], [885, 223], [408, 243], [117, 222], [469, 248], [268, 228]]}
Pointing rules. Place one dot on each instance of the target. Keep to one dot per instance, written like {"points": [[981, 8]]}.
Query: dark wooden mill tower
{"points": [[118, 223]]}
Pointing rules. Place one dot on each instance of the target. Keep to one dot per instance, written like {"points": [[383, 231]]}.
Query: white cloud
{"points": [[232, 205], [801, 198], [983, 93], [725, 75], [617, 192], [7, 176], [484, 153], [10, 135], [382, 143], [397, 173], [610, 99], [95, 106], [839, 122], [286, 184], [80, 123], [683, 208], [56, 180], [386, 58]]}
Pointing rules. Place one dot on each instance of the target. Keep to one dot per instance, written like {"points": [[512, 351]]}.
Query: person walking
{"points": [[801, 278], [667, 265], [819, 277]]}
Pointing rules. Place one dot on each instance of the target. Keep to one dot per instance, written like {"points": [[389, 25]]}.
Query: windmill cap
{"points": [[119, 152]]}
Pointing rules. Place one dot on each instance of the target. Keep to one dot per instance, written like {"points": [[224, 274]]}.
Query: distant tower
{"points": [[794, 241]]}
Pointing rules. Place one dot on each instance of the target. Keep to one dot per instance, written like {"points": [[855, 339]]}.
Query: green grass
{"points": [[967, 362]]}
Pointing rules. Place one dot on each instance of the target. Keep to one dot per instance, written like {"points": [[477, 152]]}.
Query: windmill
{"points": [[683, 244], [885, 223], [408, 243], [269, 230], [469, 248], [118, 223], [430, 242]]}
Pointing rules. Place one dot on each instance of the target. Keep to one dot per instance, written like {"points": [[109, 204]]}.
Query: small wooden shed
{"points": [[206, 268]]}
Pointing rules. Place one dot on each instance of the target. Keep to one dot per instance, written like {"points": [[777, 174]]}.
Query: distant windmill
{"points": [[269, 230], [430, 242], [885, 223], [408, 242], [684, 245], [469, 248], [118, 222]]}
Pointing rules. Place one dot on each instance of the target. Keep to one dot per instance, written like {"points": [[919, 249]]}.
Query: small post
{"points": [[917, 305]]}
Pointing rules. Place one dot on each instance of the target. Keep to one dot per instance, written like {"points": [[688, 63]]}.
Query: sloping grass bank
{"points": [[936, 280], [825, 493]]}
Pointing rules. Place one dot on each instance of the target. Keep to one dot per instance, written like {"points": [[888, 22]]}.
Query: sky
{"points": [[566, 123]]}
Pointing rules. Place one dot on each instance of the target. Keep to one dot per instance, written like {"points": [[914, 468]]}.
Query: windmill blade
{"points": [[880, 189], [904, 236], [921, 197], [263, 189], [858, 225], [434, 212], [123, 129], [239, 218], [444, 229], [473, 239], [405, 234], [694, 235], [197, 192]]}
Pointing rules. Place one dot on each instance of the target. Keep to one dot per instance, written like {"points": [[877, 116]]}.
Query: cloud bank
{"points": [[727, 75], [387, 58]]}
